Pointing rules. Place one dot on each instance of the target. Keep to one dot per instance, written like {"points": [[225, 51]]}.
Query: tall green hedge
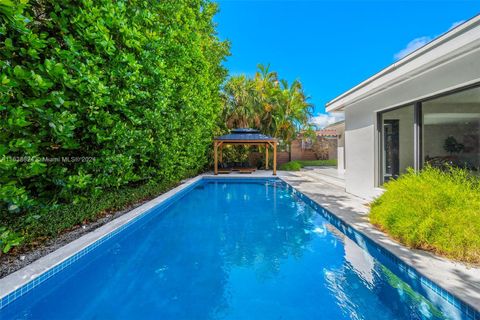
{"points": [[99, 94]]}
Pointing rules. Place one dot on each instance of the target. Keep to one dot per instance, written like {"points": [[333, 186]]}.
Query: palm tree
{"points": [[293, 111], [237, 96], [266, 87], [266, 103]]}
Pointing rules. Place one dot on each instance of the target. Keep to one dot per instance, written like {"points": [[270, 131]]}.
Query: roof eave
{"points": [[344, 100]]}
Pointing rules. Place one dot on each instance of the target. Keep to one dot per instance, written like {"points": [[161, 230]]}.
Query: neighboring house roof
{"points": [[449, 46], [326, 133]]}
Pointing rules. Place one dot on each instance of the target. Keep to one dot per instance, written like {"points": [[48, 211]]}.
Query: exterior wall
{"points": [[341, 149], [329, 144], [360, 152], [282, 157], [254, 157], [341, 159], [301, 154], [361, 138], [340, 130], [332, 148]]}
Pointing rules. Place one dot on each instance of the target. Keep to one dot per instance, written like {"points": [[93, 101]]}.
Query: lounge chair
{"points": [[246, 170], [224, 169], [243, 167]]}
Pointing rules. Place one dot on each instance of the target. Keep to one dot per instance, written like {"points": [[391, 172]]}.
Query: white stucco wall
{"points": [[340, 130], [360, 117], [341, 160]]}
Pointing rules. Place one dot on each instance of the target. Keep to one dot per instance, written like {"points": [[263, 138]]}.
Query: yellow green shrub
{"points": [[433, 210]]}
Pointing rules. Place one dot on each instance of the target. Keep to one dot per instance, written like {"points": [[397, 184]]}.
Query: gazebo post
{"points": [[266, 156], [221, 153], [215, 147], [275, 158]]}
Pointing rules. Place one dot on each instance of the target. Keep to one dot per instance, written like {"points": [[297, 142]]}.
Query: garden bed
{"points": [[67, 223]]}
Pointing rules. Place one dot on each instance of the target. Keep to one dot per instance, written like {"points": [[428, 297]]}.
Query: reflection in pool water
{"points": [[250, 250]]}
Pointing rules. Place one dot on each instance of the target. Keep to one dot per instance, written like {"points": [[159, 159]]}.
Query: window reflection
{"points": [[451, 128]]}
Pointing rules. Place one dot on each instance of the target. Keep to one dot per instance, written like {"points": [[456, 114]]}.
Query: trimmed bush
{"points": [[433, 210], [291, 166]]}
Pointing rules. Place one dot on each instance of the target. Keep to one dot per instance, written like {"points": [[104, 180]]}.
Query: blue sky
{"points": [[330, 46]]}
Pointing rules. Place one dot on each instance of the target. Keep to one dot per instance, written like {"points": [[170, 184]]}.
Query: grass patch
{"points": [[310, 163], [433, 210], [296, 165], [37, 226]]}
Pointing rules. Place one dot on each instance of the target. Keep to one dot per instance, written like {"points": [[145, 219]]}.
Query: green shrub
{"points": [[9, 239], [96, 95], [49, 222], [433, 210], [291, 166], [299, 164]]}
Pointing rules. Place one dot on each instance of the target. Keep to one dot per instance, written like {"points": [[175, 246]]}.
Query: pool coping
{"points": [[20, 282]]}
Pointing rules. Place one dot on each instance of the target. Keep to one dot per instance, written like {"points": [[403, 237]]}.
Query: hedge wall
{"points": [[99, 94]]}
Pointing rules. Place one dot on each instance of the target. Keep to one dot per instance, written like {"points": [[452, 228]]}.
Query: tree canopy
{"points": [[267, 103]]}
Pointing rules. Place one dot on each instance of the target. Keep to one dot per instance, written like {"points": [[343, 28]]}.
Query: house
{"points": [[424, 108]]}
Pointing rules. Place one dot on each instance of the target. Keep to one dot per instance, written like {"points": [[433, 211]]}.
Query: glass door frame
{"points": [[417, 134]]}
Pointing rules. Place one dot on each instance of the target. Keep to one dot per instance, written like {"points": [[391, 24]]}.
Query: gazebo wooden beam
{"points": [[266, 155], [215, 157], [274, 159], [221, 153]]}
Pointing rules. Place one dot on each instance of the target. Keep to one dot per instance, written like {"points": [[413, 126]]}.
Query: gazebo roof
{"points": [[244, 135]]}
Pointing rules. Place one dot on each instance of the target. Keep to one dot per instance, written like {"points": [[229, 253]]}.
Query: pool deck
{"points": [[322, 185]]}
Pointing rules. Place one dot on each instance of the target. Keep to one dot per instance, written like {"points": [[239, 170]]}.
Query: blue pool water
{"points": [[230, 250]]}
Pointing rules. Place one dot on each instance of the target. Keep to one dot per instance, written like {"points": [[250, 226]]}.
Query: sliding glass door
{"points": [[441, 132], [397, 137]]}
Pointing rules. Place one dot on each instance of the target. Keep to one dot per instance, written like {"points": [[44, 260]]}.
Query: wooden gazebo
{"points": [[245, 136]]}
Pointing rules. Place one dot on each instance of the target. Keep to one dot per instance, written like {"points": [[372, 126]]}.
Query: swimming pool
{"points": [[235, 249]]}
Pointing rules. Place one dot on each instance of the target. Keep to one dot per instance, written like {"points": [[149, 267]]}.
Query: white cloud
{"points": [[412, 46], [420, 42], [324, 119], [456, 24]]}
